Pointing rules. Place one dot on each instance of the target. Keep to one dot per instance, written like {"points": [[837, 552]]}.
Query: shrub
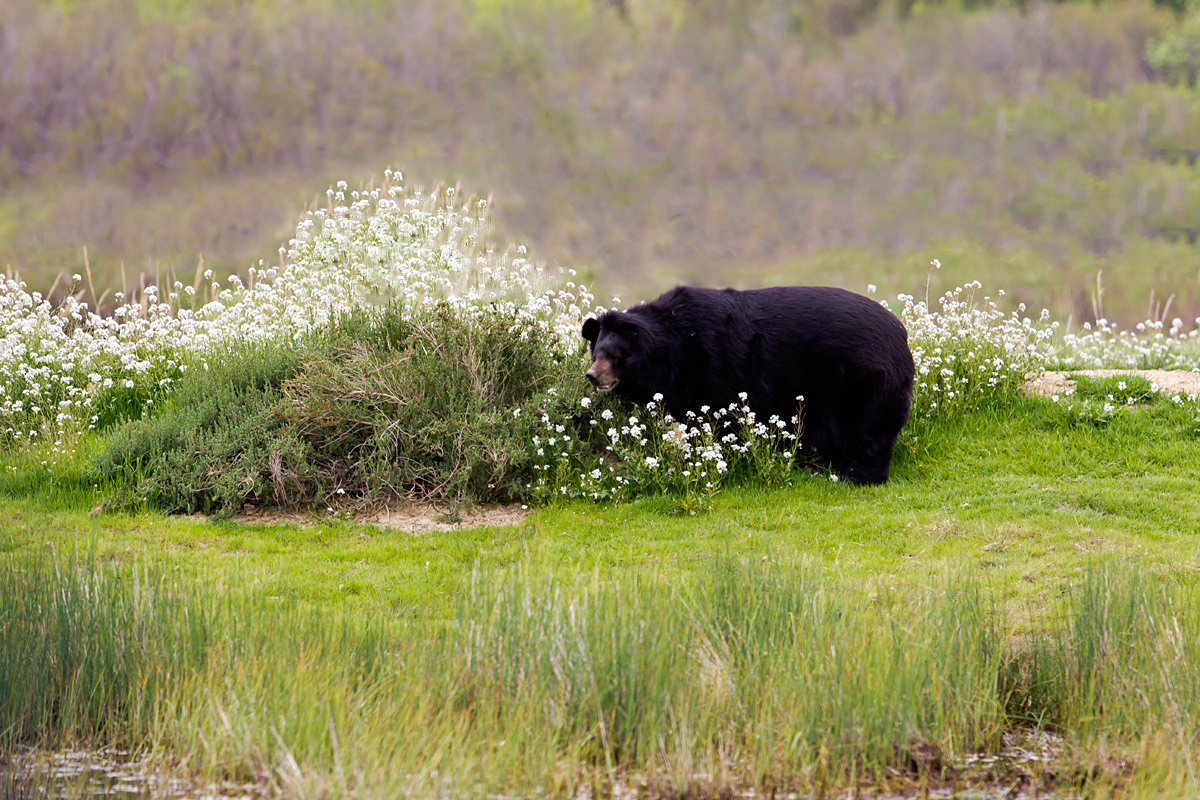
{"points": [[66, 364], [968, 352], [421, 405], [1176, 56], [219, 444]]}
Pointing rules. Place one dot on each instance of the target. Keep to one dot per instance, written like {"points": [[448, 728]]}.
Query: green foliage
{"points": [[423, 406], [532, 676], [219, 443], [1120, 389], [1176, 56], [657, 147], [1120, 662], [1099, 401]]}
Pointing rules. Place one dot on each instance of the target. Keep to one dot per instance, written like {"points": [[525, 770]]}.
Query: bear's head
{"points": [[616, 351]]}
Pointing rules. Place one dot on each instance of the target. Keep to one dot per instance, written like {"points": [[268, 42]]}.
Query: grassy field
{"points": [[677, 616], [1044, 496], [686, 611], [957, 600]]}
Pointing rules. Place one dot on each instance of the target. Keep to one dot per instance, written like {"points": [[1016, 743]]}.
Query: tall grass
{"points": [[1124, 663], [760, 674], [532, 683]]}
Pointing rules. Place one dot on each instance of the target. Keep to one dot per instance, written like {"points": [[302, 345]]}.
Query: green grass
{"points": [[1022, 499]]}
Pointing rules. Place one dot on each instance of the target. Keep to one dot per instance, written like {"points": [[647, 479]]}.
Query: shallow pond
{"points": [[110, 774], [1015, 772]]}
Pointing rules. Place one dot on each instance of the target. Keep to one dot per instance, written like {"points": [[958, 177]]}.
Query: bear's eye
{"points": [[609, 351]]}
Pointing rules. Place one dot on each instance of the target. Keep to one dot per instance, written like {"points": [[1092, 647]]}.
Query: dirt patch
{"points": [[1167, 381], [407, 517]]}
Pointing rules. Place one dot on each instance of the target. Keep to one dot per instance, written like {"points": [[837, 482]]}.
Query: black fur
{"points": [[846, 354]]}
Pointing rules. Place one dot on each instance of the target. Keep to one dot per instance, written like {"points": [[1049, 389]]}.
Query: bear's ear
{"points": [[591, 329], [624, 324]]}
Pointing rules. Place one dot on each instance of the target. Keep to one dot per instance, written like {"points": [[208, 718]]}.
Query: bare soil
{"points": [[1167, 381], [405, 516]]}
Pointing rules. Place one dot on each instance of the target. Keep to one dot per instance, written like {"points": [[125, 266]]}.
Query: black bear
{"points": [[844, 353]]}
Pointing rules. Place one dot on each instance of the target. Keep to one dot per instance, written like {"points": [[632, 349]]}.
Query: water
{"points": [[102, 775], [1017, 771]]}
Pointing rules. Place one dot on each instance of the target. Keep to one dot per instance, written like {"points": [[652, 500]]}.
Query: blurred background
{"points": [[1050, 149]]}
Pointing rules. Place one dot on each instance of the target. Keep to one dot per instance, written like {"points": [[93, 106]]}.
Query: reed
{"points": [[758, 674]]}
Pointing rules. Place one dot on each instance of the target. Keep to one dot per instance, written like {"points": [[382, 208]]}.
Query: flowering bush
{"points": [[1147, 346], [606, 452], [967, 351], [507, 425], [62, 366], [65, 364], [411, 250]]}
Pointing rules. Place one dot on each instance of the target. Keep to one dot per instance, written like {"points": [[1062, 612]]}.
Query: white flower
{"points": [[585, 402]]}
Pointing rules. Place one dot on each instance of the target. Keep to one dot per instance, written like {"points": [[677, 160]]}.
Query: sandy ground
{"points": [[1168, 381], [405, 517]]}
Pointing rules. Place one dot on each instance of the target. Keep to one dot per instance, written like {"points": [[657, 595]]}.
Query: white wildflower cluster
{"points": [[58, 360], [1098, 400], [1150, 345], [389, 246], [65, 364], [650, 452], [967, 349], [1189, 402]]}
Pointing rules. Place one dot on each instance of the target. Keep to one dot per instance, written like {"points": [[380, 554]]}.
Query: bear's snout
{"points": [[601, 375]]}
